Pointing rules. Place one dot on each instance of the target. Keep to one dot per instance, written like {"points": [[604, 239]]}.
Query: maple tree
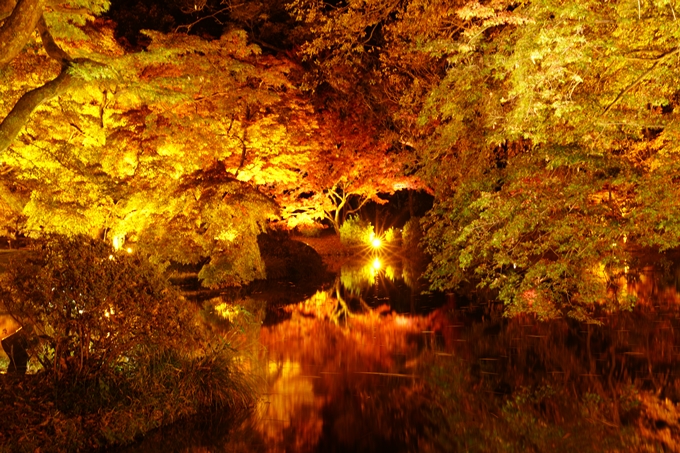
{"points": [[354, 166], [572, 108], [104, 159], [548, 132], [177, 150]]}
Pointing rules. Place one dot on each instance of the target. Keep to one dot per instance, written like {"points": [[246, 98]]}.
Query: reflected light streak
{"points": [[402, 320]]}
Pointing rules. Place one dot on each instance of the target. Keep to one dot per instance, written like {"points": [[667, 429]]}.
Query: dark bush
{"points": [[92, 310]]}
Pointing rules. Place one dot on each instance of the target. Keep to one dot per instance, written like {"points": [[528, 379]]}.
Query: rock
{"points": [[15, 348]]}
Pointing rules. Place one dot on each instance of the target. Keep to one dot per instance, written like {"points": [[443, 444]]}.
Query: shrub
{"points": [[92, 310], [311, 230], [392, 235], [122, 352], [355, 231]]}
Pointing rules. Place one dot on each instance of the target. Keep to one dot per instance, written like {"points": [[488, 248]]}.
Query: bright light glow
{"points": [[110, 257], [377, 264], [374, 241], [129, 250], [118, 242], [402, 321]]}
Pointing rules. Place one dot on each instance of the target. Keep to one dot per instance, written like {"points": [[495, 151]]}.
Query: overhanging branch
{"points": [[656, 60], [18, 117]]}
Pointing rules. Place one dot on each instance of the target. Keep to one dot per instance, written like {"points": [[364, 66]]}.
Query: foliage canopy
{"points": [[547, 132]]}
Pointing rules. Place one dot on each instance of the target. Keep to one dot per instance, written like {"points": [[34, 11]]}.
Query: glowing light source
{"points": [[118, 242], [129, 250], [376, 264], [374, 241]]}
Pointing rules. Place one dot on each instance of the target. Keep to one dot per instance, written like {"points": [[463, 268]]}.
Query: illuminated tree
{"points": [[573, 111], [121, 145], [547, 130], [102, 159], [165, 148], [353, 167]]}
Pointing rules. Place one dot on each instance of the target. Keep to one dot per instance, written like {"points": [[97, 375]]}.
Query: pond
{"points": [[368, 364]]}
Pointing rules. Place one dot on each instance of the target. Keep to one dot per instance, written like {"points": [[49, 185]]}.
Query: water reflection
{"points": [[340, 385], [352, 369]]}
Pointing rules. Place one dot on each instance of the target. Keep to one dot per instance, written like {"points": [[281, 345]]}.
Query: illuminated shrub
{"points": [[92, 310], [392, 235], [355, 231], [122, 352]]}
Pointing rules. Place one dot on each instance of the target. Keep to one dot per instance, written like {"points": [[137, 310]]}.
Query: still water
{"points": [[367, 364]]}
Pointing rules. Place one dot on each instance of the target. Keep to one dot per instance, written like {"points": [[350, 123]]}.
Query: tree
{"points": [[116, 151], [547, 131], [353, 166], [131, 146], [553, 149]]}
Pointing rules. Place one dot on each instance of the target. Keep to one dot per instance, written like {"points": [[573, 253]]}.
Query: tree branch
{"points": [[18, 27], [6, 8], [364, 200], [18, 117], [51, 47], [244, 150], [188, 27], [657, 60]]}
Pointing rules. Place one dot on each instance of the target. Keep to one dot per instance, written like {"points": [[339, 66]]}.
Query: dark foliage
{"points": [[91, 310]]}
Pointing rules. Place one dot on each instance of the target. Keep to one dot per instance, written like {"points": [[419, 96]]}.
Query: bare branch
{"points": [[657, 60], [188, 27], [364, 200]]}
